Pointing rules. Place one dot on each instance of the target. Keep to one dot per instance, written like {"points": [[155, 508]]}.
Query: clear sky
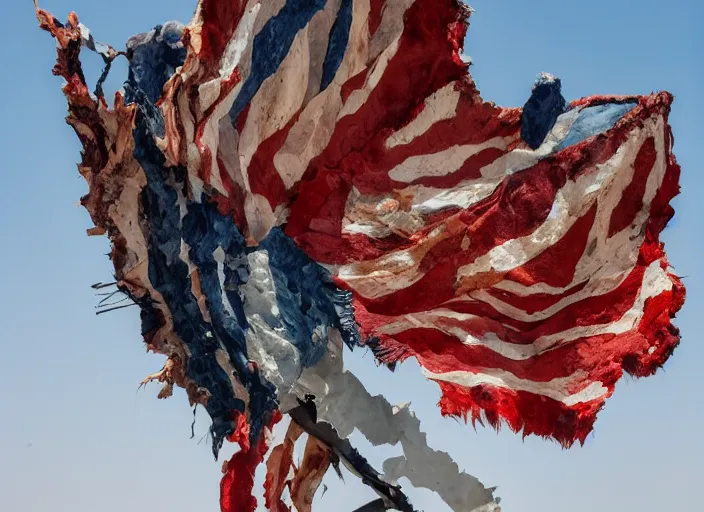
{"points": [[76, 436]]}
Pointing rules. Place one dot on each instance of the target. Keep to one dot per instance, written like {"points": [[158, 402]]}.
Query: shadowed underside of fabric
{"points": [[280, 179]]}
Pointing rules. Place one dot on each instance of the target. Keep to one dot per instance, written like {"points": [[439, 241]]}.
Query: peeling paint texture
{"points": [[286, 180]]}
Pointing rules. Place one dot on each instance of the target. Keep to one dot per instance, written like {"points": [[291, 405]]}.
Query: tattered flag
{"points": [[282, 178]]}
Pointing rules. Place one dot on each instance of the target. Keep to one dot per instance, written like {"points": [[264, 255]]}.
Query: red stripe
{"points": [[278, 466], [242, 118], [353, 84], [335, 250], [604, 359], [316, 461], [219, 20], [470, 169], [264, 179], [234, 202], [325, 194], [237, 483], [556, 265], [226, 86], [537, 301], [660, 210], [522, 203], [375, 12], [522, 411], [423, 59], [472, 124], [632, 198]]}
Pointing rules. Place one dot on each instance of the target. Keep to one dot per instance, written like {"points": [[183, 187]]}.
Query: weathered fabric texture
{"points": [[282, 178]]}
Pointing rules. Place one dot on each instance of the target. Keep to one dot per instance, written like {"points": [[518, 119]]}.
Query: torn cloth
{"points": [[283, 177]]}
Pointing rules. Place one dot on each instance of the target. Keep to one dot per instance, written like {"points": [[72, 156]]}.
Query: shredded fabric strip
{"points": [[283, 180]]}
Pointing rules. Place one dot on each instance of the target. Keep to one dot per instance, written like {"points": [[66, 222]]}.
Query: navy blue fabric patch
{"points": [[339, 38], [170, 276], [306, 296], [309, 303], [272, 44], [542, 110], [154, 57]]}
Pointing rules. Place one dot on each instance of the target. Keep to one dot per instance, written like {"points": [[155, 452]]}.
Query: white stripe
{"points": [[521, 159], [612, 258], [269, 9], [232, 58], [378, 217], [311, 134], [443, 163], [391, 26], [193, 163], [400, 269], [228, 153], [370, 230], [319, 37], [284, 93], [429, 200], [439, 106], [572, 201], [655, 282], [260, 217], [391, 272], [360, 96], [557, 389], [219, 257], [242, 38], [278, 99], [381, 49], [425, 201]]}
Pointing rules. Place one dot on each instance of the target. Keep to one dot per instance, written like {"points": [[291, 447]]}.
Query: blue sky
{"points": [[76, 436]]}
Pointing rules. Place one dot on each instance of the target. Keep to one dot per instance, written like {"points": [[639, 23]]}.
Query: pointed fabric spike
{"points": [[238, 480], [316, 461], [278, 467], [335, 462]]}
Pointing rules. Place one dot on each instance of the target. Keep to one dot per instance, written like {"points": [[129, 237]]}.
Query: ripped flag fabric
{"points": [[280, 179]]}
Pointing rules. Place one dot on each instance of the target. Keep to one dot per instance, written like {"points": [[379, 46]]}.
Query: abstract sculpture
{"points": [[282, 178]]}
